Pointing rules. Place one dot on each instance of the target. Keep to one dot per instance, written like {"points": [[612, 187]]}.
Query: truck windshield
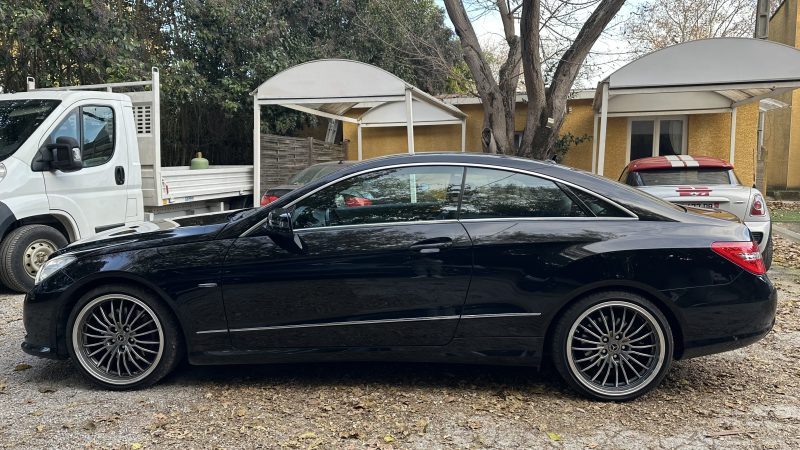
{"points": [[19, 119]]}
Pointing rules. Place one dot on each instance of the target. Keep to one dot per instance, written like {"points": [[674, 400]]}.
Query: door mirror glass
{"points": [[66, 155], [279, 220]]}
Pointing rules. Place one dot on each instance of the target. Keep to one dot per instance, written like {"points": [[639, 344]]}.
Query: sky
{"points": [[610, 50]]}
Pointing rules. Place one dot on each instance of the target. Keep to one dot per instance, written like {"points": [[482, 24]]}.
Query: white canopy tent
{"points": [[332, 87], [698, 77]]}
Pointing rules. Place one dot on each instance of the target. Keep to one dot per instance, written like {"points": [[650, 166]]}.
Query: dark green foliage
{"points": [[213, 53]]}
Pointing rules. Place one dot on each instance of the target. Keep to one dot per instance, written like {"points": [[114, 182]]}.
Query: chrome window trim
{"points": [[478, 165], [374, 322]]}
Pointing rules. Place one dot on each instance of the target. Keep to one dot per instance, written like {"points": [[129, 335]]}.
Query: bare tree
{"points": [[528, 56], [656, 24]]}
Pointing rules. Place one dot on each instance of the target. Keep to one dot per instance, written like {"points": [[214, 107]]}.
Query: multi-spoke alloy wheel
{"points": [[616, 348], [118, 339], [122, 336]]}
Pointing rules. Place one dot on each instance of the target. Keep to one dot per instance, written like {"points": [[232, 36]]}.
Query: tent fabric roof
{"points": [[394, 114], [334, 86], [703, 75]]}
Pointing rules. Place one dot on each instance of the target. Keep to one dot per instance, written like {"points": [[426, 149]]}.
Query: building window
{"points": [[659, 136]]}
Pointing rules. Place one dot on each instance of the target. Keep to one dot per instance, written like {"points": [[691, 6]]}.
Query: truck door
{"points": [[95, 195]]}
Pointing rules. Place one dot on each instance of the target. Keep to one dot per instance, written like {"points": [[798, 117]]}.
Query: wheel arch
{"points": [[63, 224], [108, 278], [617, 285]]}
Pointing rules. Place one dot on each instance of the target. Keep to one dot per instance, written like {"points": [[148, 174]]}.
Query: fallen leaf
{"points": [[422, 425], [307, 435], [388, 438], [47, 390], [136, 446], [3, 386], [21, 367], [39, 428], [554, 436]]}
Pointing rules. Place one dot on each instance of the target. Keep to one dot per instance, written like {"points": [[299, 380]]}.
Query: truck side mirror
{"points": [[66, 155]]}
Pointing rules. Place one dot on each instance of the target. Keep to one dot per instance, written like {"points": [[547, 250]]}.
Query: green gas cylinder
{"points": [[199, 162]]}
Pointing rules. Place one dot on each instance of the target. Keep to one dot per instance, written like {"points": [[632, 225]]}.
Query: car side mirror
{"points": [[66, 155], [279, 227], [279, 221]]}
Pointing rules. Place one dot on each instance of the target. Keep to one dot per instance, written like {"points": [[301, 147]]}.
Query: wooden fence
{"points": [[282, 157]]}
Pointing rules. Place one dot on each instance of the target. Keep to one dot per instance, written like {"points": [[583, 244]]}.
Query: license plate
{"points": [[703, 205]]}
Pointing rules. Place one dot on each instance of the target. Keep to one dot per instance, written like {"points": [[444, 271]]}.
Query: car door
{"points": [[95, 196], [384, 262], [526, 230]]}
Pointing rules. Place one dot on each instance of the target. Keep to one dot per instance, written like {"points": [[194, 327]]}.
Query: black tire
{"points": [[22, 253], [577, 364], [768, 251], [90, 329]]}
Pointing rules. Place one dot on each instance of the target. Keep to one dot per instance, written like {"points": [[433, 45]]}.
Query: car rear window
{"points": [[703, 175]]}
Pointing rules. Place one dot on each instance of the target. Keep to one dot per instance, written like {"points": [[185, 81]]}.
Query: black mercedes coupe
{"points": [[433, 257]]}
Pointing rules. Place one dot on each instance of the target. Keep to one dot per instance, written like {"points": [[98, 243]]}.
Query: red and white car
{"points": [[704, 182]]}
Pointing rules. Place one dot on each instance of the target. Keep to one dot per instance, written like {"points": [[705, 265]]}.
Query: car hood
{"points": [[152, 234]]}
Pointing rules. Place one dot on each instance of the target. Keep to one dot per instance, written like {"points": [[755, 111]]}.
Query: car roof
{"points": [[677, 162]]}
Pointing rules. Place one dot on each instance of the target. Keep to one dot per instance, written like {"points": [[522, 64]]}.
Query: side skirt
{"points": [[518, 351]]}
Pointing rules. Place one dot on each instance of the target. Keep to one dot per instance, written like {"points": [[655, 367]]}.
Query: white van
{"points": [[78, 161]]}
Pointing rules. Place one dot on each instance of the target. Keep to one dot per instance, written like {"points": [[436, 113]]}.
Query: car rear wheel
{"points": [[613, 346], [121, 337], [23, 253]]}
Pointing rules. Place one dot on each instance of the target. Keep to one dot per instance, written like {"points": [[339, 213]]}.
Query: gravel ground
{"points": [[749, 398]]}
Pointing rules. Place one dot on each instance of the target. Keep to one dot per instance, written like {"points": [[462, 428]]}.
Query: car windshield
{"points": [[672, 177], [315, 172], [19, 119]]}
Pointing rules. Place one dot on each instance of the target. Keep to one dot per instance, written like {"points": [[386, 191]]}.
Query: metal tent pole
{"points": [[733, 136], [601, 158], [256, 152], [358, 138], [409, 122]]}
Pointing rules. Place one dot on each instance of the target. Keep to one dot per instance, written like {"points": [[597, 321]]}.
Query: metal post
{"points": [[733, 136], [155, 119], [256, 152], [358, 138], [594, 145], [601, 158], [409, 122], [463, 135]]}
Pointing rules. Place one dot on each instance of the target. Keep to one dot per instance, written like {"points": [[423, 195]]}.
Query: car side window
{"points": [[92, 128], [598, 206], [69, 127], [98, 135], [406, 194], [492, 193]]}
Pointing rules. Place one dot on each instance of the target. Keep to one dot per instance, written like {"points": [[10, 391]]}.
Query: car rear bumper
{"points": [[722, 318]]}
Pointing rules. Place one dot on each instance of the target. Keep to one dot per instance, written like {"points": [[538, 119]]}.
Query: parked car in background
{"points": [[704, 182], [78, 161], [435, 257], [302, 178]]}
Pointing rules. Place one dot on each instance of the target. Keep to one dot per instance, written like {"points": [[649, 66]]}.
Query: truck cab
{"points": [[69, 168], [80, 160]]}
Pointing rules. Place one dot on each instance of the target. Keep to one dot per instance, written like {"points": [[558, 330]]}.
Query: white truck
{"points": [[81, 160]]}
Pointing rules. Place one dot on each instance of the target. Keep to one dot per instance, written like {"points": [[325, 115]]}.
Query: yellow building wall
{"points": [[782, 126], [580, 122]]}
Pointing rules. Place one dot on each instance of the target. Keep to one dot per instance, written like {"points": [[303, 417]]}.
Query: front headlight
{"points": [[52, 266]]}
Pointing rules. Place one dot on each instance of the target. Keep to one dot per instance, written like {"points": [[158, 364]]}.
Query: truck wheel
{"points": [[768, 250], [24, 251]]}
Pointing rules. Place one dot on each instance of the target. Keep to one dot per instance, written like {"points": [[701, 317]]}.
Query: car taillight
{"points": [[357, 201], [758, 208], [267, 199], [743, 254]]}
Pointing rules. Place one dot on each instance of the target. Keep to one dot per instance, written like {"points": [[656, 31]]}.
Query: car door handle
{"points": [[119, 175], [431, 245]]}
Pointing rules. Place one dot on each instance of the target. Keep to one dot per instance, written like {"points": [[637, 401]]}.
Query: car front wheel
{"points": [[613, 346], [121, 337]]}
